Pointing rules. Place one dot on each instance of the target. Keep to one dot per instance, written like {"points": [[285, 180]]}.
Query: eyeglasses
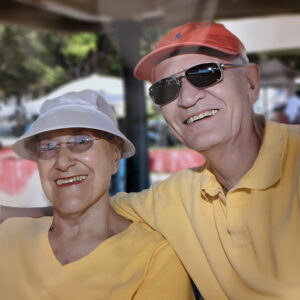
{"points": [[47, 149], [200, 76]]}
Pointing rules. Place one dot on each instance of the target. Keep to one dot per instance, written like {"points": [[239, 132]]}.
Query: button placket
{"points": [[236, 221]]}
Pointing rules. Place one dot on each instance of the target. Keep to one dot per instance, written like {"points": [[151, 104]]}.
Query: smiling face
{"points": [[73, 182], [205, 118]]}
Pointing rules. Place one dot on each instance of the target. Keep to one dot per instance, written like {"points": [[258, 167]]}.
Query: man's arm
{"points": [[156, 204], [162, 204], [123, 204], [33, 212]]}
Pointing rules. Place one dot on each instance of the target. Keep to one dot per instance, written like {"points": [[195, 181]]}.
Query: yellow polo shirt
{"points": [[245, 245], [136, 264]]}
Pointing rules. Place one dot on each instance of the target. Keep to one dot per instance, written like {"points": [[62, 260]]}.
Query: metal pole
{"points": [[137, 167]]}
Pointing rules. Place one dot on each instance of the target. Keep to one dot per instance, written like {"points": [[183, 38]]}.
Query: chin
{"points": [[203, 144], [70, 208]]}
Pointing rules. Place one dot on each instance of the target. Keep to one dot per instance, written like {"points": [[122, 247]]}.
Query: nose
{"points": [[64, 158], [189, 95]]}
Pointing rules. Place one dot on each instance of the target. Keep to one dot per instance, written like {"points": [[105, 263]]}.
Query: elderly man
{"points": [[234, 222]]}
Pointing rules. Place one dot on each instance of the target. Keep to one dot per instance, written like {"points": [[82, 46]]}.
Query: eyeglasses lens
{"points": [[48, 149], [80, 143]]}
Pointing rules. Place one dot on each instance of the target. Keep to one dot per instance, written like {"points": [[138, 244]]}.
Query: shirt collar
{"points": [[266, 169], [208, 182]]}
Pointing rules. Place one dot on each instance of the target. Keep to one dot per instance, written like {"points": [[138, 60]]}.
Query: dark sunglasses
{"points": [[200, 76], [48, 149]]}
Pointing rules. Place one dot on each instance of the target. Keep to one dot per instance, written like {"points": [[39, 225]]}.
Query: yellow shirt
{"points": [[245, 245], [135, 264]]}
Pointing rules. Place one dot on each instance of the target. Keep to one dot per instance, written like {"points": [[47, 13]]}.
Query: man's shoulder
{"points": [[293, 131], [182, 176], [279, 131]]}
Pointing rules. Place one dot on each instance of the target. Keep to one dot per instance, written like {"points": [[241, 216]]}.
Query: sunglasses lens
{"points": [[164, 91], [80, 143], [201, 76], [204, 75]]}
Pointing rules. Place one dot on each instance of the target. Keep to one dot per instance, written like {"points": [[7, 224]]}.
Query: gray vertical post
{"points": [[137, 167]]}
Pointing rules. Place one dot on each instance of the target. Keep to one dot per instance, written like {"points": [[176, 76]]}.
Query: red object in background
{"points": [[15, 172], [173, 160]]}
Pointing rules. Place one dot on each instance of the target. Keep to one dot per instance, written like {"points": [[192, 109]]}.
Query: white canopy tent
{"points": [[271, 33], [110, 87]]}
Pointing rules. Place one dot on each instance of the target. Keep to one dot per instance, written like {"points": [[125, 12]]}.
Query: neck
{"points": [[73, 236], [92, 221], [231, 161]]}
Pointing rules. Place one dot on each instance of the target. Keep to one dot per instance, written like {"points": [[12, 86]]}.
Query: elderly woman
{"points": [[77, 253]]}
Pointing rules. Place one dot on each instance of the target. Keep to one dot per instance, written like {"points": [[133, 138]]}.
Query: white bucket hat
{"points": [[84, 109]]}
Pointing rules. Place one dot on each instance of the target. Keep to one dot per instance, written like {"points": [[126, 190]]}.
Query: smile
{"points": [[75, 179], [200, 116]]}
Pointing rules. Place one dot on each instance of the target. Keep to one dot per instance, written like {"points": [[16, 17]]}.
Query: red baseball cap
{"points": [[211, 35]]}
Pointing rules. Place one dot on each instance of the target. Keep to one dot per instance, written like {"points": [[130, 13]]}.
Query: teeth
{"points": [[201, 116], [70, 180]]}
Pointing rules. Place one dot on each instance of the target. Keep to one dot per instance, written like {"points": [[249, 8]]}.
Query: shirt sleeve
{"points": [[139, 207], [166, 278], [155, 205]]}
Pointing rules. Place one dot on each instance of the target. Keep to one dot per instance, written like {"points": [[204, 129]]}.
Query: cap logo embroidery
{"points": [[178, 36]]}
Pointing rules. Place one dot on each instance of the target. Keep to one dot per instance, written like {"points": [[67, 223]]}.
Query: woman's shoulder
{"points": [[142, 235], [139, 240], [22, 226], [161, 266]]}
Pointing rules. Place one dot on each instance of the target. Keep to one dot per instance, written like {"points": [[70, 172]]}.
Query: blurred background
{"points": [[49, 47]]}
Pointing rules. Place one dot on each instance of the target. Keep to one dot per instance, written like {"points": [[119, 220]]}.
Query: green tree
{"points": [[19, 69], [35, 62]]}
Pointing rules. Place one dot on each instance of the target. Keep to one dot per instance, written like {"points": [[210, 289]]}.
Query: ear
{"points": [[116, 159], [253, 83]]}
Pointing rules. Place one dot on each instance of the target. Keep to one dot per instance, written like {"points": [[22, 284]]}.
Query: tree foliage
{"points": [[35, 62], [19, 69]]}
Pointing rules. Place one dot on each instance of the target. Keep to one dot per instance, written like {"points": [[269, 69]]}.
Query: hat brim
{"points": [[71, 117], [144, 70]]}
